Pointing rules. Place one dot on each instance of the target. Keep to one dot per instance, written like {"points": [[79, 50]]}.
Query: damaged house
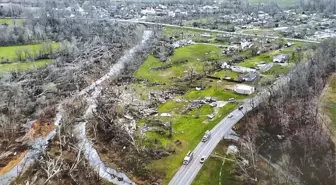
{"points": [[281, 58], [249, 77]]}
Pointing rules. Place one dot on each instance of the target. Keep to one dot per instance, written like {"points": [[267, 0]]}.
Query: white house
{"points": [[244, 89]]}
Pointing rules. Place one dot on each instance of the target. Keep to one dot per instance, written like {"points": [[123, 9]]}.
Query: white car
{"points": [[230, 115], [203, 158]]}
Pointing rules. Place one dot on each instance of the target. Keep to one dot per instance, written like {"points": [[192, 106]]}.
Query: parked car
{"points": [[240, 107], [230, 115], [202, 160], [232, 100]]}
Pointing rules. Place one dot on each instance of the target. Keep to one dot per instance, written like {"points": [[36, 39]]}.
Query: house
{"points": [[280, 58], [240, 69], [249, 77], [244, 89]]}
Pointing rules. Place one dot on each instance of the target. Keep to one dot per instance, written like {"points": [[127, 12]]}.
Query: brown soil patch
{"points": [[39, 129], [15, 150], [12, 162]]}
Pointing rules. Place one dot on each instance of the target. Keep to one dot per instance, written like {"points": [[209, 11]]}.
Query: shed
{"points": [[244, 89]]}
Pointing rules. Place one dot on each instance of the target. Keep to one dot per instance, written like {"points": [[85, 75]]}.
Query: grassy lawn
{"points": [[194, 34], [9, 52], [213, 92], [254, 61], [195, 54], [226, 73], [171, 106], [22, 66], [210, 170], [11, 21], [278, 70]]}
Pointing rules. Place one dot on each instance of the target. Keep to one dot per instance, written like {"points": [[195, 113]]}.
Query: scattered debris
{"points": [[232, 149]]}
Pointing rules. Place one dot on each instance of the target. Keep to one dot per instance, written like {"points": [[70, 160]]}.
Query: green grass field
{"points": [[194, 34], [219, 93], [22, 66], [253, 61], [9, 52], [11, 21], [195, 54], [211, 169]]}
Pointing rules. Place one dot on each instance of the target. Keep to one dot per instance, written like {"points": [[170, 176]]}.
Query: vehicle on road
{"points": [[203, 158], [240, 107], [188, 158], [230, 115], [206, 136]]}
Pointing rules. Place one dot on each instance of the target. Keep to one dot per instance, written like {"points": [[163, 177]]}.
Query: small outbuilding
{"points": [[244, 89]]}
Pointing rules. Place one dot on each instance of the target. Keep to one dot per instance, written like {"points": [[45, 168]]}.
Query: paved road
{"points": [[186, 174], [210, 30]]}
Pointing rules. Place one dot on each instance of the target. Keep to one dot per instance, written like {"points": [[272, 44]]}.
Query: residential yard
{"points": [[194, 34], [254, 61], [211, 169], [196, 55], [226, 73], [279, 70]]}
